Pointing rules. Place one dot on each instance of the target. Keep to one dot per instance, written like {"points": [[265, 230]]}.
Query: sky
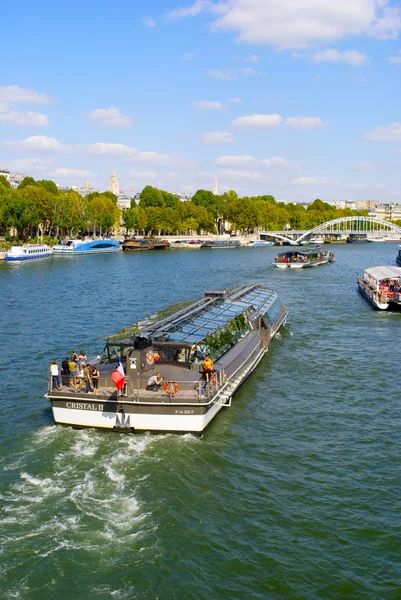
{"points": [[295, 98]]}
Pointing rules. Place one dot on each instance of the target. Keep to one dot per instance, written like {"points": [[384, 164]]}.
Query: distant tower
{"points": [[216, 187], [114, 184]]}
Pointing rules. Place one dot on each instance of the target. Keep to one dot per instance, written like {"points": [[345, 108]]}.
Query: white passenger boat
{"points": [[301, 259], [73, 247], [381, 286], [235, 328], [28, 252]]}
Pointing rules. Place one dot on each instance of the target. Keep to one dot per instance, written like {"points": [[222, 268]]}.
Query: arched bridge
{"points": [[368, 226]]}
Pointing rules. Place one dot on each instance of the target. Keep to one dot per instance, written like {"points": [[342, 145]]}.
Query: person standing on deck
{"points": [[207, 366], [72, 366], [82, 358], [55, 373], [88, 379], [65, 372], [95, 380]]}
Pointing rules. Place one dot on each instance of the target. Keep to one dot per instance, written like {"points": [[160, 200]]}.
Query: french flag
{"points": [[118, 376]]}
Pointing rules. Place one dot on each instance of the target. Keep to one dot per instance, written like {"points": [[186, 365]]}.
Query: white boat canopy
{"points": [[379, 273]]}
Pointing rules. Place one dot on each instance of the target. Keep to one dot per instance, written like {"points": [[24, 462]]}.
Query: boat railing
{"points": [[135, 390]]}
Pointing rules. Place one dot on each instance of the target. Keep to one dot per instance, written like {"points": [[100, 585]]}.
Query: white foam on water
{"points": [[113, 476], [46, 434], [87, 443]]}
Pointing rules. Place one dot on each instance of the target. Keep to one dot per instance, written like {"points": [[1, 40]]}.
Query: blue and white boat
{"points": [[259, 244], [73, 247], [28, 252]]}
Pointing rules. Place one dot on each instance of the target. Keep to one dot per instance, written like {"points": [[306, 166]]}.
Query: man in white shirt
{"points": [[55, 373]]}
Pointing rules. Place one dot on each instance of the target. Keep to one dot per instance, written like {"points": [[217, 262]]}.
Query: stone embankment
{"points": [[2, 255]]}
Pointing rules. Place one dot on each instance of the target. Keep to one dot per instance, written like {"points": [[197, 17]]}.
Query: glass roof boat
{"points": [[381, 286], [398, 257], [73, 247], [300, 259], [234, 327]]}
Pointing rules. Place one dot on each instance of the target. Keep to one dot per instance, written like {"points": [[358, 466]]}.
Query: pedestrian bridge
{"points": [[340, 228]]}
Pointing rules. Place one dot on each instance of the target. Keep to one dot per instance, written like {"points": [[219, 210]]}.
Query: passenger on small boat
{"points": [[154, 382]]}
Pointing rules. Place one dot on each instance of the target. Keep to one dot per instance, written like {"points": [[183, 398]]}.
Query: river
{"points": [[292, 493]]}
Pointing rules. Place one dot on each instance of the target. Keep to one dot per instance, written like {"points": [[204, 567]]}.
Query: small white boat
{"points": [[28, 252], [73, 247], [259, 244], [316, 241], [381, 286]]}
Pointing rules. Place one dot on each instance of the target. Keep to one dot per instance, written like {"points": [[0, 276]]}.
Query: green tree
{"points": [[26, 181], [4, 182], [151, 196]]}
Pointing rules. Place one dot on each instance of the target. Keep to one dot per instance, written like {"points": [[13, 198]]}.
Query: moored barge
{"points": [[235, 328], [381, 286], [136, 245]]}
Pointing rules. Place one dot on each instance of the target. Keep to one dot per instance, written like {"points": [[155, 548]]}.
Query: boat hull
{"points": [[24, 258], [302, 265]]}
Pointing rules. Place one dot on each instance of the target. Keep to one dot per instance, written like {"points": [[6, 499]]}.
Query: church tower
{"points": [[114, 184], [216, 187]]}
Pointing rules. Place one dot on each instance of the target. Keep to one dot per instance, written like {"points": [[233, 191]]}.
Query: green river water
{"points": [[292, 493]]}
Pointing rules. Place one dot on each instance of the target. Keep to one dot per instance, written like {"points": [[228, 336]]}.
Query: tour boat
{"points": [[398, 257], [357, 238], [316, 241], [300, 259], [259, 244], [73, 247], [134, 245], [381, 286], [234, 327], [28, 252], [221, 244]]}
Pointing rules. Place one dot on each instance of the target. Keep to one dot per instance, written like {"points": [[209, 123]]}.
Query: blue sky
{"points": [[296, 99]]}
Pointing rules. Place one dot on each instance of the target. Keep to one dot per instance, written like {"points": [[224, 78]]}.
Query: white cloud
{"points": [[23, 118], [232, 74], [350, 57], [109, 117], [390, 133], [148, 22], [65, 173], [235, 100], [365, 165], [142, 175], [13, 94], [31, 165], [252, 58], [36, 143], [187, 56], [304, 123], [216, 137], [109, 150], [191, 11], [257, 121], [395, 60], [289, 24], [208, 105], [306, 181], [251, 161]]}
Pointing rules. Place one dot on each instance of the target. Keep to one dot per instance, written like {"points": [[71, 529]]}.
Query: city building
{"points": [[123, 201], [113, 187], [83, 191], [216, 187], [16, 178], [5, 173], [366, 204], [387, 212]]}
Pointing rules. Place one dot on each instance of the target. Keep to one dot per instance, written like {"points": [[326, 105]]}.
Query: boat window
{"points": [[274, 310], [218, 343]]}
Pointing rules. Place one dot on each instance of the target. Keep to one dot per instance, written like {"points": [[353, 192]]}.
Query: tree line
{"points": [[39, 208]]}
